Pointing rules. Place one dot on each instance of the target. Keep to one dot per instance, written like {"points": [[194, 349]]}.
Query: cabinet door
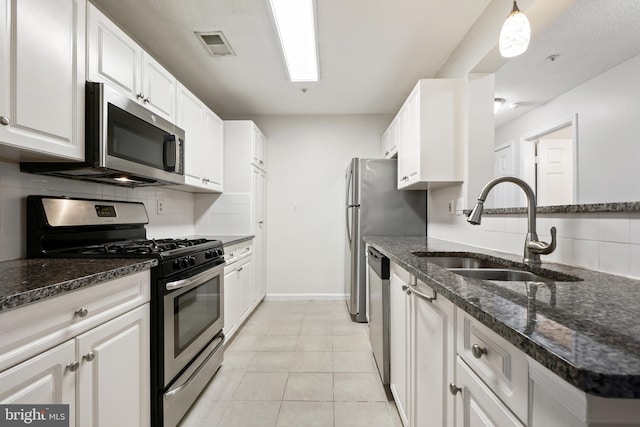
{"points": [[259, 149], [158, 88], [42, 78], [433, 345], [232, 297], [190, 117], [43, 379], [246, 282], [412, 138], [114, 57], [259, 228], [399, 341], [477, 406], [213, 150], [113, 385]]}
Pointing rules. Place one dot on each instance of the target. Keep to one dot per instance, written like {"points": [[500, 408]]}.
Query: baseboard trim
{"points": [[304, 297]]}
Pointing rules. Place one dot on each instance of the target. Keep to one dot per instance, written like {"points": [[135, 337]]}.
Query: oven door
{"points": [[193, 316]]}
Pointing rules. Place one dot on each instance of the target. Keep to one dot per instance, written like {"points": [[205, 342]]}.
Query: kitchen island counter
{"points": [[25, 281], [587, 332]]}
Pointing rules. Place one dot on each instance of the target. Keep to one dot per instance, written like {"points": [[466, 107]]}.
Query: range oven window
{"points": [[131, 138], [194, 312]]}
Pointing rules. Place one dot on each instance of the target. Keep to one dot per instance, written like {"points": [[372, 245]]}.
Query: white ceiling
{"points": [[592, 37], [372, 52]]}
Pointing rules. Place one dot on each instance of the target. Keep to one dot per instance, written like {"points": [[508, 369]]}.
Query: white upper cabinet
{"points": [[258, 149], [42, 79], [389, 142], [203, 144], [116, 59], [429, 131]]}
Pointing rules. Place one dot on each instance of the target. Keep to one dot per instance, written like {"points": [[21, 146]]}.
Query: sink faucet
{"points": [[533, 248]]}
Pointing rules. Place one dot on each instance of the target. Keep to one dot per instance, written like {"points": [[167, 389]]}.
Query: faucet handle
{"points": [[543, 248]]}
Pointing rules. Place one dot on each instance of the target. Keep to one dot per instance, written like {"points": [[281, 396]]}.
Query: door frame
{"points": [[528, 141]]}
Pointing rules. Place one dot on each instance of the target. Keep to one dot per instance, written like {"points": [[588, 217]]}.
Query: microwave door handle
{"points": [[169, 154]]}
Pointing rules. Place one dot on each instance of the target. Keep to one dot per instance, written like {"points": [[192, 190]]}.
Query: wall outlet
{"points": [[159, 207]]}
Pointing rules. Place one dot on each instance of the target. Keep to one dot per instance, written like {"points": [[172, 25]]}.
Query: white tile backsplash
{"points": [[608, 242], [615, 258], [15, 186], [614, 228]]}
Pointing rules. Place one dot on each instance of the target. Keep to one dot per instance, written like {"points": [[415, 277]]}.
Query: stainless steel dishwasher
{"points": [[379, 310]]}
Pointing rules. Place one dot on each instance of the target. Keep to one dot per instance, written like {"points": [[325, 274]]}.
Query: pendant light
{"points": [[515, 34]]}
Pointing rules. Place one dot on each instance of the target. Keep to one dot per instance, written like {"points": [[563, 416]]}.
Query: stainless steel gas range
{"points": [[187, 288]]}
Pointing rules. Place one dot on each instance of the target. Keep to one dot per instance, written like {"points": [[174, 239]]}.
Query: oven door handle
{"points": [[196, 372], [201, 277]]}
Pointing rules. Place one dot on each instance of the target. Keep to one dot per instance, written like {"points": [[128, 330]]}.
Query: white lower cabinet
{"points": [[240, 287], [448, 369], [43, 379], [477, 405], [90, 351], [113, 378], [422, 344], [399, 340]]}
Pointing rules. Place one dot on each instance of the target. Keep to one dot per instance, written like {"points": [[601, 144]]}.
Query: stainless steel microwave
{"points": [[125, 144]]}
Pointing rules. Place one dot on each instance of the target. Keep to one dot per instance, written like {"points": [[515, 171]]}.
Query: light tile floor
{"points": [[296, 364]]}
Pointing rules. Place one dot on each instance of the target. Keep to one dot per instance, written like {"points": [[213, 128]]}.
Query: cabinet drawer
{"points": [[34, 328], [238, 251], [498, 363]]}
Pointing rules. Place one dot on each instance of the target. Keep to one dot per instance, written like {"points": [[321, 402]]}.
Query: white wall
{"points": [[307, 158], [177, 219], [608, 127]]}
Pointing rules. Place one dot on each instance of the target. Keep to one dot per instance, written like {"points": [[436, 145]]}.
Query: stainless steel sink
{"points": [[463, 262], [453, 261], [500, 274], [482, 269]]}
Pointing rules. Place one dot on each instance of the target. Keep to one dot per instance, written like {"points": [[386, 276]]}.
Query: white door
{"points": [[213, 150], [232, 300], [159, 88], [555, 172], [113, 385], [503, 195]]}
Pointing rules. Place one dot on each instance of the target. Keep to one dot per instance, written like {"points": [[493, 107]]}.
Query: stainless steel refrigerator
{"points": [[375, 207]]}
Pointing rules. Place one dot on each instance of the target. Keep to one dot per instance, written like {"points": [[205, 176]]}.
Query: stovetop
{"points": [[147, 246], [63, 227]]}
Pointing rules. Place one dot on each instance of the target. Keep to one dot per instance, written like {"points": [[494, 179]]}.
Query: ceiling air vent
{"points": [[216, 43]]}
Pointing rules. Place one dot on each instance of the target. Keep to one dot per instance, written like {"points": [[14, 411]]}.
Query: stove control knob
{"points": [[208, 254], [184, 263], [192, 260], [176, 264], [219, 252]]}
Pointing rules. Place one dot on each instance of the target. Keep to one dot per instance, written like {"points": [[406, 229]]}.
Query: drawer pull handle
{"points": [[82, 312], [425, 297], [454, 389], [89, 356], [73, 366], [478, 351]]}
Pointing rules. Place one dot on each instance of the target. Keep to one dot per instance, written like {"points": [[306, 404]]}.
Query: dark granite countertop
{"points": [[584, 208], [29, 280], [227, 240], [587, 332]]}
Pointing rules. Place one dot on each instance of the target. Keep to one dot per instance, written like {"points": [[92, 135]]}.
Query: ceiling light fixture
{"points": [[515, 34], [497, 103], [295, 22]]}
